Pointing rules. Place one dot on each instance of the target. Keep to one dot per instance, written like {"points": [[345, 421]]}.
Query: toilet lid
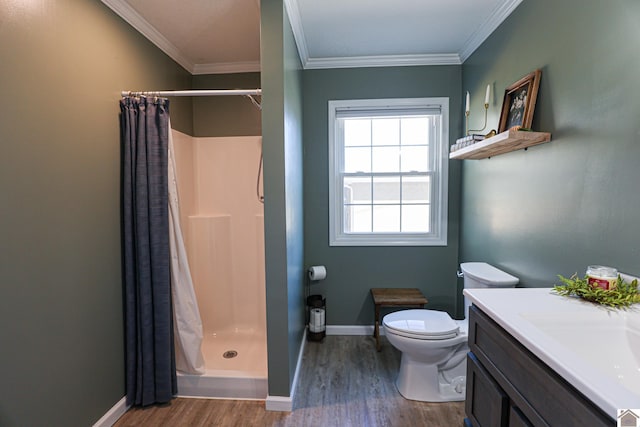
{"points": [[488, 274], [422, 324]]}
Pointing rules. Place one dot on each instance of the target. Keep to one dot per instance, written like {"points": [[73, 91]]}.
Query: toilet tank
{"points": [[483, 275]]}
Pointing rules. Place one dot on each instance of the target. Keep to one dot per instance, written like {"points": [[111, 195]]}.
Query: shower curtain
{"points": [[146, 244], [188, 324], [150, 360]]}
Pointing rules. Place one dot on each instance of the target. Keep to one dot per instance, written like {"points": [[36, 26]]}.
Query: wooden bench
{"points": [[394, 297]]}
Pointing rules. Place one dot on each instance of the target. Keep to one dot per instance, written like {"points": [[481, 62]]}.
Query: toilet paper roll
{"points": [[317, 320], [317, 272]]}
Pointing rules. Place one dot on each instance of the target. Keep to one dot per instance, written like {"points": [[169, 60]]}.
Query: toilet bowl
{"points": [[434, 346]]}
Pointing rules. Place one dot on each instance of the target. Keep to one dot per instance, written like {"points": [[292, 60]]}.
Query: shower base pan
{"points": [[236, 367], [222, 385]]}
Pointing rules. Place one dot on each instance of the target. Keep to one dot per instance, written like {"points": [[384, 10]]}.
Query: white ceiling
{"points": [[223, 36]]}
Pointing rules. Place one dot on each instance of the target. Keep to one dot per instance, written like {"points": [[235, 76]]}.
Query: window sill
{"points": [[384, 241]]}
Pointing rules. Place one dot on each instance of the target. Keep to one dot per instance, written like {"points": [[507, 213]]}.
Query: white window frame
{"points": [[440, 153]]}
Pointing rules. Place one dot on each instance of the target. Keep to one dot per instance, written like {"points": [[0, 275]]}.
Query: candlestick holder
{"points": [[467, 113], [466, 122]]}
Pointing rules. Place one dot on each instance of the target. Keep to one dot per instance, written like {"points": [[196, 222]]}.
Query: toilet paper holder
{"points": [[316, 305]]}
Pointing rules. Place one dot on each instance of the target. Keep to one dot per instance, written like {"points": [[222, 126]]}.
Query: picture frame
{"points": [[519, 102]]}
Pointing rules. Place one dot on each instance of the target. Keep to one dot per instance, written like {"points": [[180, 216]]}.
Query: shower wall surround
{"points": [[223, 226], [224, 229]]}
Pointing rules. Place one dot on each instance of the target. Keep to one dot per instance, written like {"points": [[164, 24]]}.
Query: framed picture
{"points": [[520, 102]]}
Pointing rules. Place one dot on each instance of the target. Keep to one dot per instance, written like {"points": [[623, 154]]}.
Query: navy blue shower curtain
{"points": [[150, 359]]}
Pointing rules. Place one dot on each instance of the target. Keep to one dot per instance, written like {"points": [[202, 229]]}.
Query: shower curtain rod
{"points": [[204, 92]]}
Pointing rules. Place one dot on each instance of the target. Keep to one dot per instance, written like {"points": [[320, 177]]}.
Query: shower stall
{"points": [[222, 220]]}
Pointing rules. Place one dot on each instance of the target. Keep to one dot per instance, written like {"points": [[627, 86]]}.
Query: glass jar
{"points": [[601, 276]]}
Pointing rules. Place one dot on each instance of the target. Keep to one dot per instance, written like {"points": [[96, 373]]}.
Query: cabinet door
{"points": [[517, 418], [486, 404]]}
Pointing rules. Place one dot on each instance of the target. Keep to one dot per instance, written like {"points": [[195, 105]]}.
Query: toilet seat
{"points": [[421, 324]]}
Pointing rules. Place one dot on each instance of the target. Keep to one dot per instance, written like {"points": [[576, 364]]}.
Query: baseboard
{"points": [[351, 330], [113, 414], [285, 403], [298, 364], [279, 403]]}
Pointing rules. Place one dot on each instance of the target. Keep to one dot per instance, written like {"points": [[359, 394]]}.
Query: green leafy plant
{"points": [[623, 295]]}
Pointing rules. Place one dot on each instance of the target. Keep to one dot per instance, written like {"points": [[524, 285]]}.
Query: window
{"points": [[388, 172]]}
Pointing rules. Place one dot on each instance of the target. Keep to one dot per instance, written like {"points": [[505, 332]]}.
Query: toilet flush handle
{"points": [[460, 274]]}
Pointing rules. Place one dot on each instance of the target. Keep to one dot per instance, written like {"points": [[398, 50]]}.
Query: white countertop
{"points": [[596, 349]]}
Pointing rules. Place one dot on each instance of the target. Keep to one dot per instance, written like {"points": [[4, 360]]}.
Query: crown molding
{"points": [[293, 11], [126, 12], [131, 16], [497, 17], [383, 61], [227, 68]]}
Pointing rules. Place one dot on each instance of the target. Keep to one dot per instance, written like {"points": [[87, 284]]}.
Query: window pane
{"points": [[386, 190], [386, 174], [386, 219], [385, 159], [357, 190], [357, 159], [385, 131], [357, 132], [415, 159], [415, 130], [416, 189], [357, 219], [415, 218]]}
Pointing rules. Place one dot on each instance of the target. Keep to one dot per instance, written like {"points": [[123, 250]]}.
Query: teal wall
{"points": [[352, 271], [63, 65], [560, 206], [226, 115], [283, 211], [294, 206]]}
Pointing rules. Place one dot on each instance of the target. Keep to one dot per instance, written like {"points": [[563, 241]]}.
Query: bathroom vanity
{"points": [[539, 359]]}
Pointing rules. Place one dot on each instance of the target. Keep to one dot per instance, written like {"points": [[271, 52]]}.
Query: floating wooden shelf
{"points": [[501, 143]]}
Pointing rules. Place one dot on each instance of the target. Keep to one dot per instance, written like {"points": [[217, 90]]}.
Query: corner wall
{"points": [[283, 210], [558, 207], [64, 64], [226, 115]]}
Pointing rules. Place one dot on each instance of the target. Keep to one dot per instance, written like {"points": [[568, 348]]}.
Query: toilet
{"points": [[434, 346]]}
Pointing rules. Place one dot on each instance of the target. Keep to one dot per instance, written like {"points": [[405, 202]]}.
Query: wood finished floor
{"points": [[343, 382]]}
